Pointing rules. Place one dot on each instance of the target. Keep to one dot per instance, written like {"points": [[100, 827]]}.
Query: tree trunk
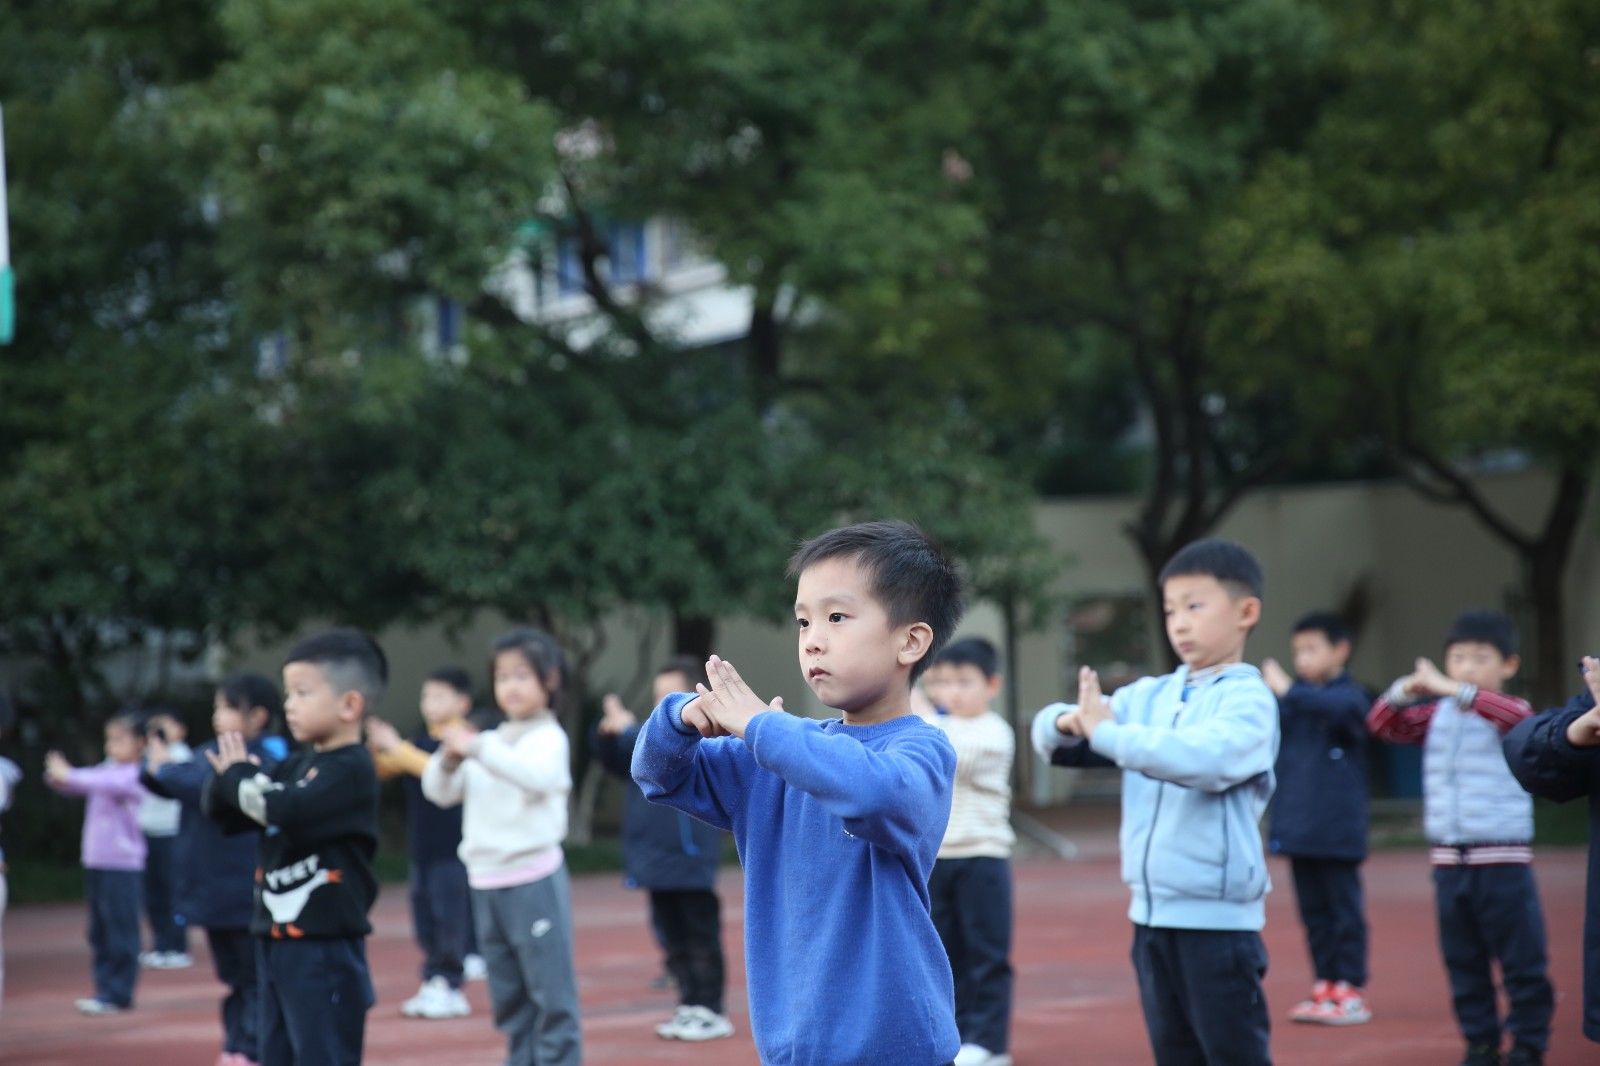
{"points": [[693, 635], [1550, 676]]}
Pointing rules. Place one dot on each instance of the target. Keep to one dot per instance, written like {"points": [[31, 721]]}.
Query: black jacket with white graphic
{"points": [[320, 809]]}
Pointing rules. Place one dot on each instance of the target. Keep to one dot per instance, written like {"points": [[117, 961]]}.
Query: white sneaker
{"points": [[668, 1030], [473, 968], [977, 1055], [703, 1023], [175, 960], [97, 1007], [436, 999], [151, 960]]}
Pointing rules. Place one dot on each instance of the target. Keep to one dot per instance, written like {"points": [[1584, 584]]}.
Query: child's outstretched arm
{"points": [[119, 781], [301, 806], [1234, 745], [538, 769], [1062, 749], [675, 764], [1557, 754]]}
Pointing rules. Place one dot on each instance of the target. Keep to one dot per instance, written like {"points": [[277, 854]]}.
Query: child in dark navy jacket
{"points": [[837, 822], [1557, 756], [319, 809], [217, 870], [675, 857], [1319, 813]]}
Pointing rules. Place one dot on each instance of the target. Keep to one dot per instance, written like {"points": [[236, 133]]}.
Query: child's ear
{"points": [[1513, 664], [1249, 611], [352, 705], [918, 642]]}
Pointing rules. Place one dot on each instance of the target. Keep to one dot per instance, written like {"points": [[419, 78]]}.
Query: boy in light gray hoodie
{"points": [[1197, 747]]}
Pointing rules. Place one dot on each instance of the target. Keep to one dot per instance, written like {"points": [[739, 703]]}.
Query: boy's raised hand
{"points": [[1429, 680], [1584, 730], [381, 736], [1094, 710], [1591, 676], [614, 717], [1276, 677], [729, 702], [231, 750]]}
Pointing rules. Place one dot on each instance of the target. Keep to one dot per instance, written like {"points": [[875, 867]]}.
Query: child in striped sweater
{"points": [[970, 888]]}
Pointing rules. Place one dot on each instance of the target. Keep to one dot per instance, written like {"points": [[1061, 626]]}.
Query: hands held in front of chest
{"points": [[458, 743], [1094, 710], [1584, 730], [1427, 681], [231, 750], [725, 708]]}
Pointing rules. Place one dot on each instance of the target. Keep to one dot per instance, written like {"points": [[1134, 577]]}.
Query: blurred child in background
{"points": [[1319, 813], [158, 820], [113, 859], [215, 886], [441, 907], [674, 857], [10, 777]]}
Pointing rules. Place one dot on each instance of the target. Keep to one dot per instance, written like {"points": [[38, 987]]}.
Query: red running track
{"points": [[1076, 1001]]}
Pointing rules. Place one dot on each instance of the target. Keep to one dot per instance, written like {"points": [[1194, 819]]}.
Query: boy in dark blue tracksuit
{"points": [[1557, 755], [1319, 813], [675, 857]]}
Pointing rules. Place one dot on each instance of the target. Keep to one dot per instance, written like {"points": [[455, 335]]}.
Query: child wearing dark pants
{"points": [[1197, 749], [969, 890], [1557, 756], [1480, 823], [215, 890], [1319, 813], [674, 857], [113, 860], [319, 808]]}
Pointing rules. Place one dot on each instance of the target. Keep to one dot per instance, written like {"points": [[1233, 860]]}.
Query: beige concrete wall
{"points": [[1422, 562]]}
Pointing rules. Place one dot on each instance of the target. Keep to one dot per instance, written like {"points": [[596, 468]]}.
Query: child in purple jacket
{"points": [[113, 859]]}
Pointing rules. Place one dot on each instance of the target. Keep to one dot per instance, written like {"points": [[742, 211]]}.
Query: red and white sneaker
{"points": [[1346, 1007], [1312, 1009]]}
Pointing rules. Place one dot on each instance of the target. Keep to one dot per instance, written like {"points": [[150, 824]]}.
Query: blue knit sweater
{"points": [[837, 828]]}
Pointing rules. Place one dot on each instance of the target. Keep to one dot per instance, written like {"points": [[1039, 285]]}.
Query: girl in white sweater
{"points": [[513, 782]]}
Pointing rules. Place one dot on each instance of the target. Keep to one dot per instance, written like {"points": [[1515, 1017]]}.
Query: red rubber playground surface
{"points": [[1075, 1001]]}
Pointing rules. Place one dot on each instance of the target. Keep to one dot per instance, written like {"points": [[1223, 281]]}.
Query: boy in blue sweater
{"points": [[837, 822], [1319, 814], [1197, 747]]}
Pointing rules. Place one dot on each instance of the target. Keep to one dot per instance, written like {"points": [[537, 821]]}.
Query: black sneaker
{"points": [[1482, 1055], [1523, 1055]]}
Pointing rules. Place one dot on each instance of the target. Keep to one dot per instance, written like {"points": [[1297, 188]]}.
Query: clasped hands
{"points": [[1427, 680], [231, 750], [1094, 710], [1584, 730], [726, 707]]}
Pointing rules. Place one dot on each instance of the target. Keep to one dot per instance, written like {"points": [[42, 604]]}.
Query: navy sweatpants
{"points": [[971, 905], [233, 956], [689, 922], [315, 994], [1334, 914], [441, 917], [1490, 914], [1202, 998], [160, 877], [114, 897]]}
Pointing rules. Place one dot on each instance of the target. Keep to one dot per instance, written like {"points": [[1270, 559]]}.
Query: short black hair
{"points": [[453, 676], [129, 719], [1228, 562], [539, 649], [692, 667], [971, 651], [1484, 627], [1327, 623], [352, 661], [907, 571]]}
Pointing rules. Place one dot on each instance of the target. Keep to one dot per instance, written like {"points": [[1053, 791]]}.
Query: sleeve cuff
{"points": [[673, 706], [1106, 740], [1045, 736]]}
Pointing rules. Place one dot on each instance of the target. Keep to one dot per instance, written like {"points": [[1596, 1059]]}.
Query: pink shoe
{"points": [[1346, 1007], [1312, 1009]]}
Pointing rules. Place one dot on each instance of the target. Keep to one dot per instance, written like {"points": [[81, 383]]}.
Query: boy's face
{"points": [[936, 685], [968, 690], [123, 744], [667, 683], [314, 710], [1206, 623], [226, 718], [1316, 658], [850, 655], [517, 688], [1475, 663], [443, 703]]}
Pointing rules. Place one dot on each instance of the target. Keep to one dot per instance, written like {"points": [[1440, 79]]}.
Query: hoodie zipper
{"points": [[1149, 839]]}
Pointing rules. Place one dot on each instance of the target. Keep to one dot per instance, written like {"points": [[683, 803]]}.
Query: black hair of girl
{"points": [[245, 692], [541, 652]]}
